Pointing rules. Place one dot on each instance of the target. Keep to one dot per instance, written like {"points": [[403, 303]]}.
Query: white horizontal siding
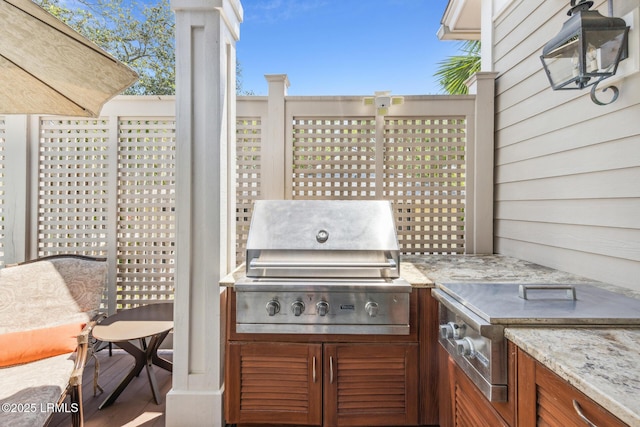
{"points": [[597, 185], [621, 213], [545, 141], [567, 176], [546, 111], [581, 160], [607, 269], [610, 242]]}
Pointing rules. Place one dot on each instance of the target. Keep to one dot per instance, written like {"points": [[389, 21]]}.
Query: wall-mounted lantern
{"points": [[586, 51]]}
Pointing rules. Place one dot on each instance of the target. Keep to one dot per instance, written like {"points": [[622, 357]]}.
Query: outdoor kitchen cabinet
{"points": [[462, 404], [274, 383], [370, 385], [332, 380], [544, 397], [364, 384], [536, 396]]}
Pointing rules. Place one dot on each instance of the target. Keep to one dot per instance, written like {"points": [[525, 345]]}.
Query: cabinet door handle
{"points": [[581, 414], [314, 369], [331, 370]]}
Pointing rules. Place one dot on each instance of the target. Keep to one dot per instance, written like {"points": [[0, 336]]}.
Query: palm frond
{"points": [[455, 70]]}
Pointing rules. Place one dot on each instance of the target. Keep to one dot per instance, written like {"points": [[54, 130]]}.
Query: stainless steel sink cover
{"points": [[548, 304]]}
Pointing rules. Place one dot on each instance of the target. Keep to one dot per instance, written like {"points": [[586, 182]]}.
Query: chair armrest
{"points": [[83, 351]]}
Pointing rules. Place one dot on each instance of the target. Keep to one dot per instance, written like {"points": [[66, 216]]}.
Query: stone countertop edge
{"points": [[603, 363], [413, 275], [230, 279]]}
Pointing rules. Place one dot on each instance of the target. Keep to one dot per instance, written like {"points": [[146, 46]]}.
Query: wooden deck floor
{"points": [[134, 407]]}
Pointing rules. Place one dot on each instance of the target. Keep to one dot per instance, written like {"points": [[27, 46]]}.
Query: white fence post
{"points": [[379, 166], [273, 146], [480, 179]]}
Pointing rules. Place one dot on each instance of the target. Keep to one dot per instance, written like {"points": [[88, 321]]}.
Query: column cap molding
{"points": [[230, 10]]}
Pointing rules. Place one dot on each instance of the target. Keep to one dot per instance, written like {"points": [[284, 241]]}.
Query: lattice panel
{"points": [[424, 177], [146, 211], [2, 191], [334, 158], [248, 177], [73, 186]]}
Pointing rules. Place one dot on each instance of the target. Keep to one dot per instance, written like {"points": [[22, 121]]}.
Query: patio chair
{"points": [[47, 307]]}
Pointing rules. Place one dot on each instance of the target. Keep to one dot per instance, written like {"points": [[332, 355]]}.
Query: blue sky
{"points": [[343, 47]]}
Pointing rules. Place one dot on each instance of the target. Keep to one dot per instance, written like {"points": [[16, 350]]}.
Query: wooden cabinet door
{"points": [[371, 385], [279, 383], [470, 407], [546, 399], [461, 403]]}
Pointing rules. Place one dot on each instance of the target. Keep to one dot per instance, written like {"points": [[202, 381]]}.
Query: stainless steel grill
{"points": [[322, 267]]}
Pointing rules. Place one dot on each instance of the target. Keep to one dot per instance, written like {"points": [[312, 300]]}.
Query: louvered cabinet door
{"points": [[370, 385], [470, 407], [274, 383]]}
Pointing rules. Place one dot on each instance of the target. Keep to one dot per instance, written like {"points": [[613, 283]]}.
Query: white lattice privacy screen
{"points": [[146, 210], [92, 192], [334, 158], [249, 137], [73, 184], [105, 187], [424, 177], [420, 167]]}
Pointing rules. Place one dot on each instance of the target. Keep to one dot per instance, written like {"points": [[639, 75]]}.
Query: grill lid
{"points": [[322, 238]]}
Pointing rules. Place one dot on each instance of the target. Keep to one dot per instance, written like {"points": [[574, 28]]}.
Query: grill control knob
{"points": [[322, 308], [465, 347], [273, 307], [371, 308], [297, 307], [451, 330]]}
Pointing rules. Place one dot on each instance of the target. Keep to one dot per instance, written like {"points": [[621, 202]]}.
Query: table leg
{"points": [[151, 351], [163, 363], [145, 356], [140, 359]]}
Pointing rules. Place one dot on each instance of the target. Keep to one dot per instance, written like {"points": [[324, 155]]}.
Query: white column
{"points": [[206, 33], [16, 190], [273, 151], [486, 35], [480, 172]]}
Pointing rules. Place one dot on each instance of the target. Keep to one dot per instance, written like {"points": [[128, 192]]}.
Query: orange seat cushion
{"points": [[28, 346]]}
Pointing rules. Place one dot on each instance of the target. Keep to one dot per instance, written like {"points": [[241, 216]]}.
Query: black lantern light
{"points": [[586, 51]]}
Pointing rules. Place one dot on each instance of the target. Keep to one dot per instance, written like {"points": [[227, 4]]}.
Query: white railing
{"points": [[106, 186]]}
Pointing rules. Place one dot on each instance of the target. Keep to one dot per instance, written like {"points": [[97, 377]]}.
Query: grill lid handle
{"points": [[255, 263]]}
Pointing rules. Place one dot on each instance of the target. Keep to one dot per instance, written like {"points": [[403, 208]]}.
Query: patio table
{"points": [[148, 324]]}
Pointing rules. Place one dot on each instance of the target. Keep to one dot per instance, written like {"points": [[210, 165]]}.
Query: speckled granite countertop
{"points": [[487, 268], [603, 363]]}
